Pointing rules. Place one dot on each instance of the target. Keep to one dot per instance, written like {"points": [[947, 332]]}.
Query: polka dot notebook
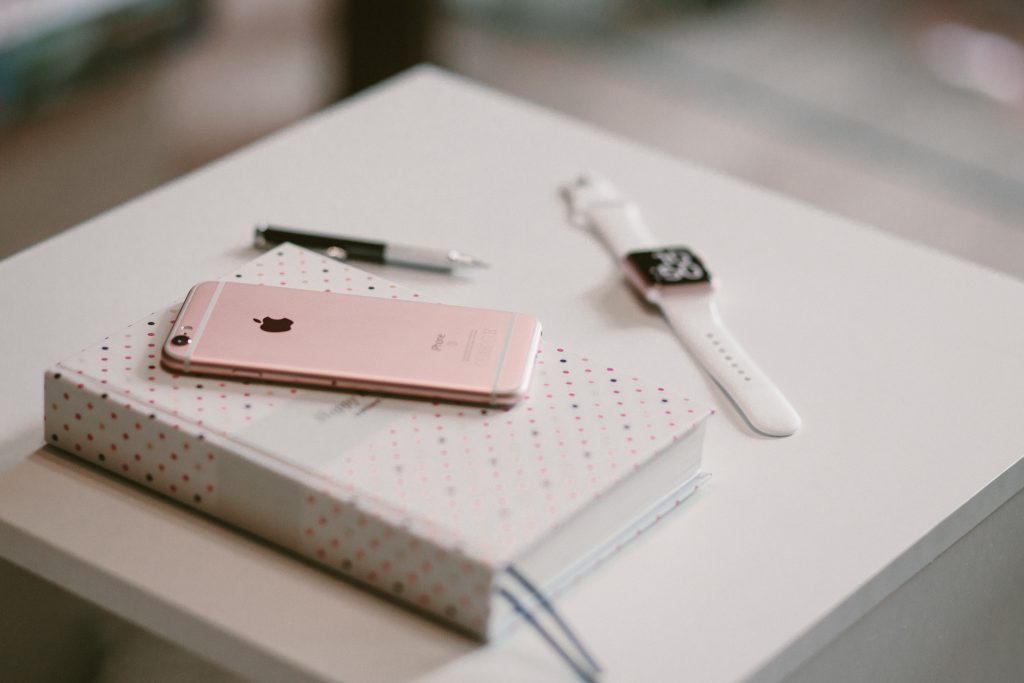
{"points": [[427, 502]]}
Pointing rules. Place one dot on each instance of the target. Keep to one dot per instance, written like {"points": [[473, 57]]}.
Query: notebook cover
{"points": [[425, 502]]}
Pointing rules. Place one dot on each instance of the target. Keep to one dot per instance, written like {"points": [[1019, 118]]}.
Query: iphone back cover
{"points": [[357, 343]]}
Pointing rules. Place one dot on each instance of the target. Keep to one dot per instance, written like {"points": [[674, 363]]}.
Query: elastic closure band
{"points": [[573, 652]]}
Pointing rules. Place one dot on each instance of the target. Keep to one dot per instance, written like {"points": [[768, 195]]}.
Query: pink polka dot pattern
{"points": [[369, 545], [427, 509], [496, 480], [124, 437]]}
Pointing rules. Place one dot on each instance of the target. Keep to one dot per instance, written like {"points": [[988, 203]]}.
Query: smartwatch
{"points": [[678, 282]]}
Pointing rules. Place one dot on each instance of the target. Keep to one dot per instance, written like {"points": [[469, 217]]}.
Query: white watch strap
{"points": [[696, 322], [596, 203], [622, 228]]}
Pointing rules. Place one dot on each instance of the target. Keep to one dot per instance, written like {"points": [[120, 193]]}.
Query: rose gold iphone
{"points": [[356, 343]]}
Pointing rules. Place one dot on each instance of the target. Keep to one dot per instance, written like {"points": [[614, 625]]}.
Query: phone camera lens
{"points": [[180, 340]]}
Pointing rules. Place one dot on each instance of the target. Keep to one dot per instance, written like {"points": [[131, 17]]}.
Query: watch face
{"points": [[669, 267]]}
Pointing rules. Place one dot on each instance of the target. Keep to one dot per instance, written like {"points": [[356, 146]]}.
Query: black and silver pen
{"points": [[348, 248]]}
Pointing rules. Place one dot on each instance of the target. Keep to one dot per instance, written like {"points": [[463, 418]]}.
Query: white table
{"points": [[906, 365]]}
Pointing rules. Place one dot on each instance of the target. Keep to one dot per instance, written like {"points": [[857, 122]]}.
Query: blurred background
{"points": [[904, 114], [907, 115]]}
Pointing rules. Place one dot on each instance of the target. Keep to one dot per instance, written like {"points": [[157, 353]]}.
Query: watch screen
{"points": [[669, 266]]}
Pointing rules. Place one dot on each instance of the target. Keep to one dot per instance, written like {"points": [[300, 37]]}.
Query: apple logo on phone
{"points": [[269, 324]]}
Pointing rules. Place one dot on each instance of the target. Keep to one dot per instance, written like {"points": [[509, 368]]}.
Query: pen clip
{"points": [[260, 241]]}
